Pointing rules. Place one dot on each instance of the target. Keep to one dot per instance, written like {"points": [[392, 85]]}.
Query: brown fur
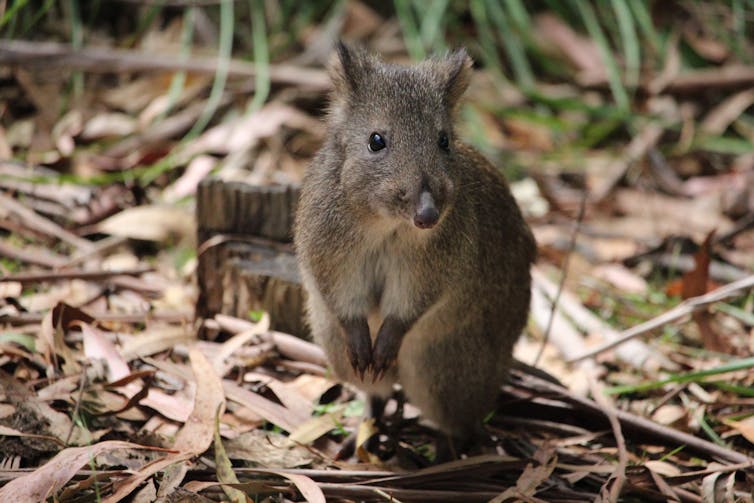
{"points": [[460, 290]]}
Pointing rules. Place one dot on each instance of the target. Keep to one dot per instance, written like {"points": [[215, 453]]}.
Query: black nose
{"points": [[426, 215]]}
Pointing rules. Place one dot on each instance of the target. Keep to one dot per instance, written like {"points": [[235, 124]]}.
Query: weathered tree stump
{"points": [[246, 260]]}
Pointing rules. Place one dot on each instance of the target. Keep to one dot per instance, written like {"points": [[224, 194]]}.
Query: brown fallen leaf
{"points": [[99, 347], [151, 223], [224, 469], [193, 439], [745, 427], [270, 450], [697, 282], [580, 51], [532, 477], [108, 125], [130, 484], [317, 426], [724, 114], [707, 47], [45, 481], [196, 435], [269, 410]]}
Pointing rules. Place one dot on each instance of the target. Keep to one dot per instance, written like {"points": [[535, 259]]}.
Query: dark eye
{"points": [[444, 142], [376, 142]]}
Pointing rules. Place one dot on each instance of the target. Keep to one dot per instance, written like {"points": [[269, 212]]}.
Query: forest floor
{"points": [[642, 308]]}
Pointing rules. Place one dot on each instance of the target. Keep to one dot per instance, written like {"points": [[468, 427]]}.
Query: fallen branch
{"points": [[683, 309], [632, 421], [109, 59], [637, 149], [106, 317], [77, 274], [10, 208]]}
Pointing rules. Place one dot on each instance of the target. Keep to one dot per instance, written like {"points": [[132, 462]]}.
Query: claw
{"points": [[358, 345], [387, 345], [380, 369]]}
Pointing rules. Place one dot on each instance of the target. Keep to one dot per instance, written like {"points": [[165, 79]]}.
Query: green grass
{"points": [[698, 376], [501, 36]]}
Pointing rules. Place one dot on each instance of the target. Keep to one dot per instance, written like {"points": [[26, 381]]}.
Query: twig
{"points": [[684, 308], [288, 345], [635, 352], [632, 421], [712, 78], [564, 274], [100, 248], [361, 491], [739, 226], [31, 255], [167, 316], [9, 206], [619, 473], [720, 78], [110, 59], [77, 405], [635, 150], [77, 274]]}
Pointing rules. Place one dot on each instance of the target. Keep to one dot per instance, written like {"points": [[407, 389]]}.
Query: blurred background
{"points": [[578, 95], [626, 129]]}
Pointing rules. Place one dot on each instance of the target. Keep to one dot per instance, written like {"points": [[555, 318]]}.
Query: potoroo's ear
{"points": [[454, 73], [348, 67]]}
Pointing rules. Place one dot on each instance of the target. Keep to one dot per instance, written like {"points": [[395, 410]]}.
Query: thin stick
{"points": [[561, 284], [105, 317], [684, 308], [77, 274], [110, 59], [635, 422], [32, 220], [619, 473]]}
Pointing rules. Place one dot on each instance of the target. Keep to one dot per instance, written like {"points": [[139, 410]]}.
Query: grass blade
{"points": [[513, 46], [644, 20], [10, 14], [261, 55], [179, 78], [411, 34], [613, 74], [486, 40], [77, 38], [431, 25], [631, 51], [732, 366], [221, 76]]}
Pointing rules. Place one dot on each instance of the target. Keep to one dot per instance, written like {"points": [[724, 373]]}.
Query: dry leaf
{"points": [[668, 414], [151, 223], [196, 435], [723, 115], [531, 478], [315, 427], [45, 481], [622, 278], [581, 52], [745, 427], [198, 168], [108, 125], [224, 468], [271, 411], [663, 468], [97, 346]]}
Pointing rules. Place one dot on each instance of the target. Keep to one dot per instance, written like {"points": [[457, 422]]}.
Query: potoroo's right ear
{"points": [[348, 67]]}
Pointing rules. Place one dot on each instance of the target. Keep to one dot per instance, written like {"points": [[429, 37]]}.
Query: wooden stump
{"points": [[246, 260]]}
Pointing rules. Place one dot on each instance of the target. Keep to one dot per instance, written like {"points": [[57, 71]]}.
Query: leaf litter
{"points": [[106, 392]]}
